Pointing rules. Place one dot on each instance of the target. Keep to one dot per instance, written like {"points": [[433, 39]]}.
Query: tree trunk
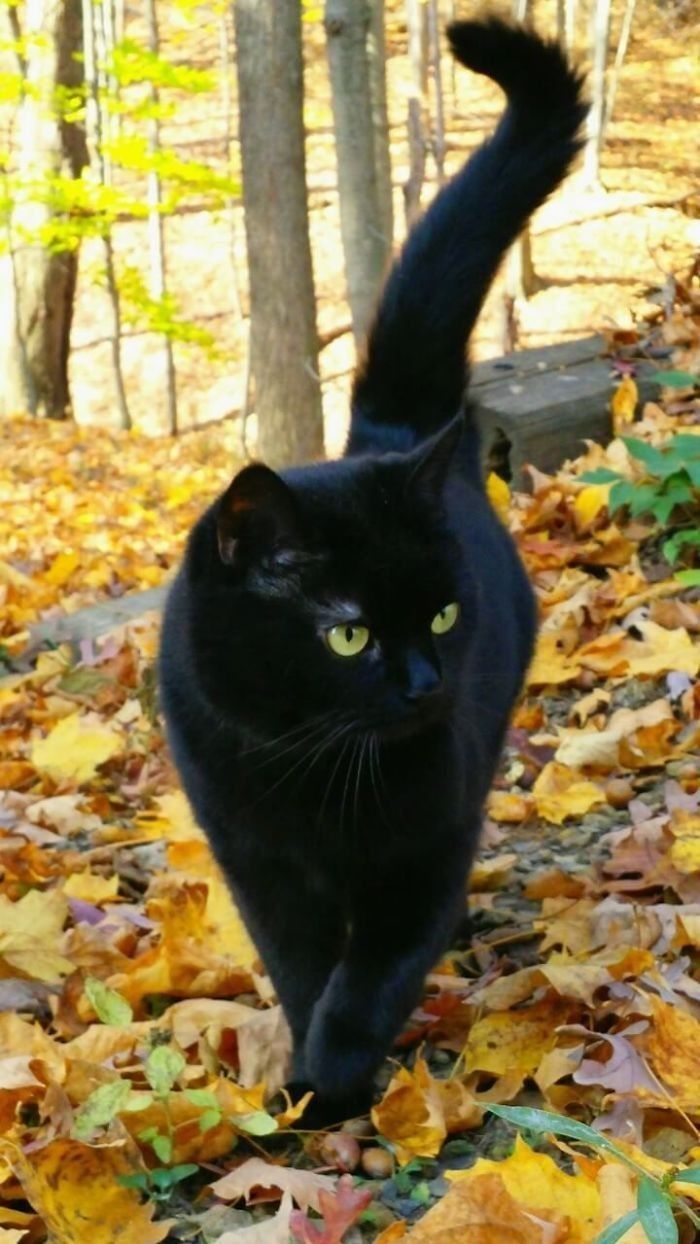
{"points": [[284, 340], [37, 281], [376, 50], [93, 123], [438, 130], [365, 246], [416, 21], [156, 240], [600, 40]]}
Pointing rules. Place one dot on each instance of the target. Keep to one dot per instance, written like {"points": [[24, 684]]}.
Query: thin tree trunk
{"points": [[416, 120], [570, 12], [93, 119], [156, 240], [365, 245], [438, 132], [620, 54], [37, 282], [600, 38], [284, 341], [376, 50]]}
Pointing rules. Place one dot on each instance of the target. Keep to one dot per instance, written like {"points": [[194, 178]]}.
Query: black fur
{"points": [[343, 796]]}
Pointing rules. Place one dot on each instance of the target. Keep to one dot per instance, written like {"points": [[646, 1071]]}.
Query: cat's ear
{"points": [[433, 461], [257, 514]]}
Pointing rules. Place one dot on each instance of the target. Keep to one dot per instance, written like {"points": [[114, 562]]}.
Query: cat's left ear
{"points": [[257, 514], [434, 460]]}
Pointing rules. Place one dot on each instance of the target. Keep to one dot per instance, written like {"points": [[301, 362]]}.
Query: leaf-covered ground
{"points": [[141, 1048]]}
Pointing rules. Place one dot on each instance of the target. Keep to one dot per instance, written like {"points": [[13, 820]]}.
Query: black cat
{"points": [[344, 641]]}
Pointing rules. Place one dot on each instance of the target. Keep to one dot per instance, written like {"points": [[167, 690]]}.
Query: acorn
{"points": [[619, 792], [341, 1151], [377, 1163]]}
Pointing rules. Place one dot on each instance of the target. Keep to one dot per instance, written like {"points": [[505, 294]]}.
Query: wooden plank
{"points": [[544, 407]]}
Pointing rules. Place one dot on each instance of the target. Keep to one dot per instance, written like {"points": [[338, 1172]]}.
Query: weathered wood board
{"points": [[539, 406]]}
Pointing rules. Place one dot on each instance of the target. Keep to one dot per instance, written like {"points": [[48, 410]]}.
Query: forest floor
{"points": [[140, 1045], [597, 252]]}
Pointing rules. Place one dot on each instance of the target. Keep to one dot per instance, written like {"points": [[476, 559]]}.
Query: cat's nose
{"points": [[424, 682]]}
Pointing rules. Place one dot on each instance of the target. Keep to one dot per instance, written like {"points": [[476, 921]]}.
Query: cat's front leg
{"points": [[400, 928], [300, 935]]}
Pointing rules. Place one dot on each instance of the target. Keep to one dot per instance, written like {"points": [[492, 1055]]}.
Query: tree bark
{"points": [[600, 40], [365, 245], [284, 340], [416, 21], [93, 123], [156, 239], [376, 48], [37, 281]]}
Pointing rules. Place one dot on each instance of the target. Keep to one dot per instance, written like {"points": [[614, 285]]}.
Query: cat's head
{"points": [[335, 593]]}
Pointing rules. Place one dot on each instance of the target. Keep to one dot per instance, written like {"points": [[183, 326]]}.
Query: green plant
{"points": [[670, 487], [656, 1202], [158, 1183]]}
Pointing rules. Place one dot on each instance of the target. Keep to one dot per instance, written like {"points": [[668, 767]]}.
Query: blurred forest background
{"points": [[169, 166]]}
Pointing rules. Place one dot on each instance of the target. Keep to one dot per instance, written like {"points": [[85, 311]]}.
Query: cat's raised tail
{"points": [[414, 374]]}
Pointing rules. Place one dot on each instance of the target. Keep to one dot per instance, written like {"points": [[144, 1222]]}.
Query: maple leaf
{"points": [[304, 1186], [339, 1209], [76, 1190], [539, 1186], [75, 747], [29, 930]]}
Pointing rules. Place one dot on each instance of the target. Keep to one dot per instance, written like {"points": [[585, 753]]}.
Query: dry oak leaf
{"points": [[482, 1211], [75, 1189], [560, 792], [303, 1186], [76, 746], [29, 931], [623, 405], [417, 1112], [550, 665], [515, 1040], [539, 1186]]}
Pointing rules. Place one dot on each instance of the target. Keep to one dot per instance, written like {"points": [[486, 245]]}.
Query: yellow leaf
{"points": [[75, 747], [482, 1211], [416, 1112], [29, 932], [559, 792], [62, 568], [588, 504], [536, 1184], [514, 1040], [685, 850], [75, 1189], [498, 494], [92, 888], [550, 665], [673, 1044], [623, 405]]}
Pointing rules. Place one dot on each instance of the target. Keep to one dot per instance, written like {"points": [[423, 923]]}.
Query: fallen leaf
{"points": [[75, 747], [304, 1186], [560, 793]]}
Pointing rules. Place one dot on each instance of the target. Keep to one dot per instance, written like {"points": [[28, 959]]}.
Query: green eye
{"points": [[445, 619], [347, 640]]}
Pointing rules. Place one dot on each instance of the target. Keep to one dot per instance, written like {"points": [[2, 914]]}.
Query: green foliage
{"points": [[656, 1202], [670, 489], [132, 63], [158, 1184], [160, 315], [108, 1005]]}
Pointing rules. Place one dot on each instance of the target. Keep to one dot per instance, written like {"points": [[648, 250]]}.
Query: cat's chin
{"points": [[404, 728]]}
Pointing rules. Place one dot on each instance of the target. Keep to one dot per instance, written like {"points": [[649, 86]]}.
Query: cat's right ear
{"points": [[257, 515]]}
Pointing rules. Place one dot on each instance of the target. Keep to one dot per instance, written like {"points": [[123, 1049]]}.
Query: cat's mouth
{"points": [[413, 723]]}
